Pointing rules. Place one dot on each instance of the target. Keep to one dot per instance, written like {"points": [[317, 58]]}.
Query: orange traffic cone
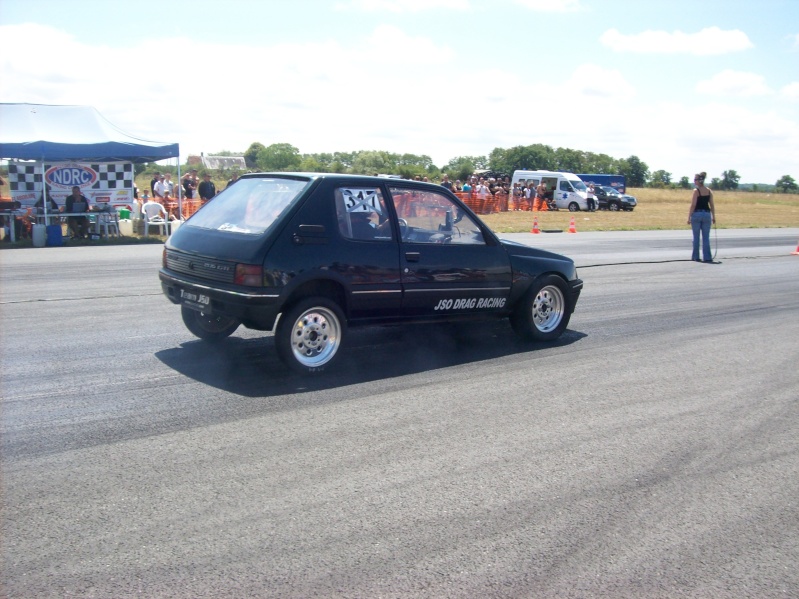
{"points": [[572, 226], [796, 253], [535, 228]]}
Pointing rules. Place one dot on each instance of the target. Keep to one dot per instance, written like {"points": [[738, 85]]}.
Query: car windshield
{"points": [[250, 206], [578, 185]]}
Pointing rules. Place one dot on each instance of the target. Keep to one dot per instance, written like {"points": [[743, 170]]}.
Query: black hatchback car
{"points": [[310, 255]]}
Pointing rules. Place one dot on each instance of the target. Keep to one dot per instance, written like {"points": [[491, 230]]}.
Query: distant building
{"points": [[218, 162]]}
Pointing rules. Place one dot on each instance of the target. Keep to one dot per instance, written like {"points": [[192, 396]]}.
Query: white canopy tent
{"points": [[43, 132]]}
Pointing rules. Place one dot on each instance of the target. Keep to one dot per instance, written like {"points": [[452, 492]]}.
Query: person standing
{"points": [[700, 216], [160, 188], [234, 177], [76, 203], [190, 184], [169, 187], [156, 178], [591, 201], [540, 196], [482, 192], [207, 189], [445, 182]]}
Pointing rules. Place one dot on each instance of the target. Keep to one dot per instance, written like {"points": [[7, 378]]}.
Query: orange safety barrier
{"points": [[190, 207], [479, 205]]}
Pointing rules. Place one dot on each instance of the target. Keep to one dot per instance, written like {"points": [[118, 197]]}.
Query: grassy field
{"points": [[663, 209]]}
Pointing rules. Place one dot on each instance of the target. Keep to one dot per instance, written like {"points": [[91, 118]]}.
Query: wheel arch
{"points": [[319, 287]]}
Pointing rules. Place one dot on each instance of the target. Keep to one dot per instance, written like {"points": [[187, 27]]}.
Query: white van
{"points": [[566, 189]]}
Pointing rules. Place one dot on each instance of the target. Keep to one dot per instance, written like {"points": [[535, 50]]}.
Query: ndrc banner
{"points": [[104, 183]]}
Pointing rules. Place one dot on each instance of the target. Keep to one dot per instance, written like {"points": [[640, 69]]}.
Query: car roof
{"points": [[365, 179]]}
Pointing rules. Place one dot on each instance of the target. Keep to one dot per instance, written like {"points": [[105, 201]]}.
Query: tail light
{"points": [[251, 275]]}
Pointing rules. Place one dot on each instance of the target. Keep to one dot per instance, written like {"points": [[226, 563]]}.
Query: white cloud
{"points": [[790, 91], [402, 6], [390, 46], [551, 5], [384, 90], [734, 83], [707, 42], [598, 82]]}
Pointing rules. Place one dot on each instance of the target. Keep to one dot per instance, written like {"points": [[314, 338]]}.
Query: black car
{"points": [[309, 255], [609, 198]]}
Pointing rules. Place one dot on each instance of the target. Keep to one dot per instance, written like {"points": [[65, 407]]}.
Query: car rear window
{"points": [[250, 206]]}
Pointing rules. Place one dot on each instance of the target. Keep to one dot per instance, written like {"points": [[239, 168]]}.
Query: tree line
{"points": [[500, 162]]}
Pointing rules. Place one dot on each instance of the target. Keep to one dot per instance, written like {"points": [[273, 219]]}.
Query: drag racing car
{"points": [[309, 256]]}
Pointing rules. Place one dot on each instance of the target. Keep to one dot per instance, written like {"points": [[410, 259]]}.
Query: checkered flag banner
{"points": [[110, 182]]}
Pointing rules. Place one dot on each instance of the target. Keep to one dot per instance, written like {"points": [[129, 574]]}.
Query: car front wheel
{"points": [[208, 327], [309, 335], [574, 207], [543, 313]]}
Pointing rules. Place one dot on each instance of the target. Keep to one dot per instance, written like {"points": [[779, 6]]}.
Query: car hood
{"points": [[514, 248]]}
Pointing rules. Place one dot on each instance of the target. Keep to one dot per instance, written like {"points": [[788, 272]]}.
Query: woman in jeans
{"points": [[701, 215]]}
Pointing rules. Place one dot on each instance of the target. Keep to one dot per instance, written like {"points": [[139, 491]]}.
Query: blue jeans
{"points": [[700, 223]]}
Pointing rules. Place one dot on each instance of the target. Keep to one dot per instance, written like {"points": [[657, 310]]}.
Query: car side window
{"points": [[362, 214], [565, 186], [431, 217]]}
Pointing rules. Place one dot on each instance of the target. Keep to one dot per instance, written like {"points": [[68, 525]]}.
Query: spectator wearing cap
{"points": [[190, 184], [160, 189], [207, 189]]}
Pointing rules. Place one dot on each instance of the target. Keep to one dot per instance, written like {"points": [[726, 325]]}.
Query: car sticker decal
{"points": [[361, 200]]}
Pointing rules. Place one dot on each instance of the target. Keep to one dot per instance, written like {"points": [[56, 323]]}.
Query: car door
{"points": [[367, 254], [447, 264]]}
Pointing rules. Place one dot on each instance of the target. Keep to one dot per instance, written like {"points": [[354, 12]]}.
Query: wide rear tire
{"points": [[208, 327], [308, 336]]}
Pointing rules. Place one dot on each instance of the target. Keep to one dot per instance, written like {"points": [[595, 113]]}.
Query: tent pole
{"points": [[44, 193], [180, 191]]}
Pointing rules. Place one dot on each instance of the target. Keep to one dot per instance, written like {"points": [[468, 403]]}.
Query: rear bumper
{"points": [[257, 306]]}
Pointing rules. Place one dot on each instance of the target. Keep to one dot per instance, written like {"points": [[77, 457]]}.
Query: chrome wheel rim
{"points": [[549, 307], [315, 337]]}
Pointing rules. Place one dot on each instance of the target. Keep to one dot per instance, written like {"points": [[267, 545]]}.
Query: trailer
{"points": [[617, 182]]}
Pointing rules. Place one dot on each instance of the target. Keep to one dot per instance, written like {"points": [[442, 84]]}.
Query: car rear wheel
{"points": [[209, 327], [543, 313], [613, 207], [309, 335]]}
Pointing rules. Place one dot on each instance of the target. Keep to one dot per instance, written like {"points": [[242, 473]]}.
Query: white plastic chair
{"points": [[155, 222]]}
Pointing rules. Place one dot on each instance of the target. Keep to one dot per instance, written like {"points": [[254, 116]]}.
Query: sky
{"points": [[686, 86]]}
